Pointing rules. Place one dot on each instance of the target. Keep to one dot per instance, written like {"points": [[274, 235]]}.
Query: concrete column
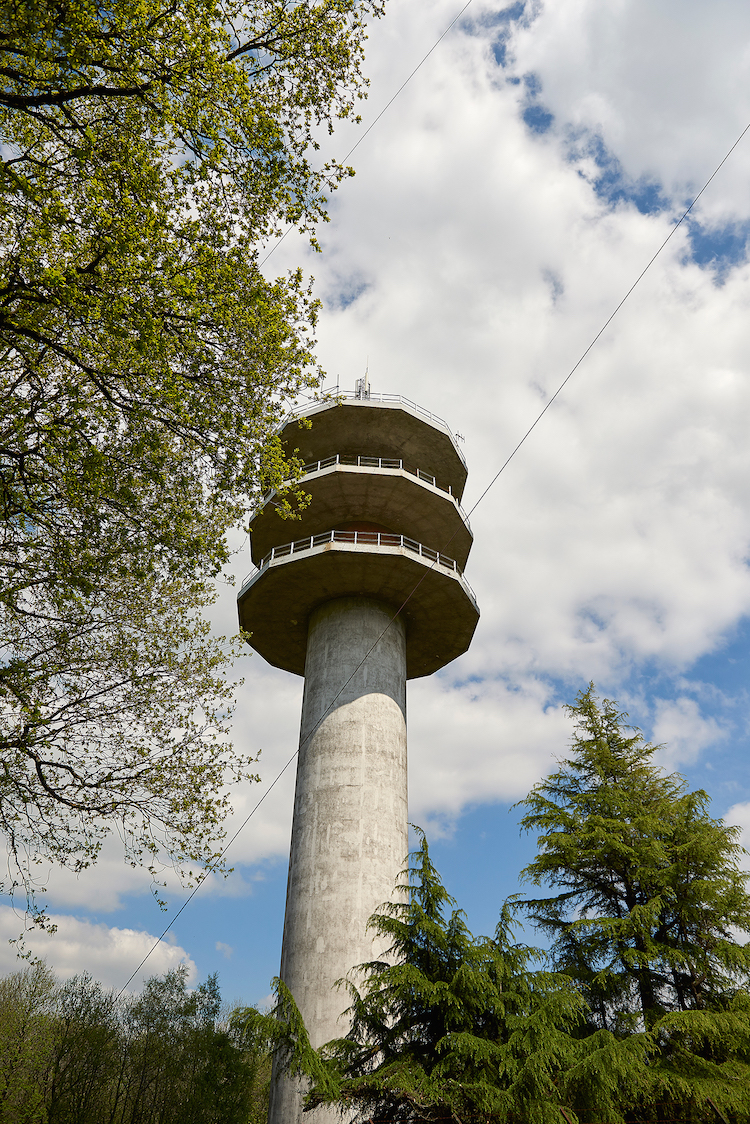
{"points": [[349, 836]]}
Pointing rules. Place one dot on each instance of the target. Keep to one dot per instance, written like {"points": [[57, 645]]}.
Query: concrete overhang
{"points": [[392, 497], [367, 427], [440, 612]]}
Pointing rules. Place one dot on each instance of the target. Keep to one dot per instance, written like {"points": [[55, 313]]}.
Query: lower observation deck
{"points": [[439, 608]]}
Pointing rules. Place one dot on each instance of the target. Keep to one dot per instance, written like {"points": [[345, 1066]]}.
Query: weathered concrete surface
{"points": [[440, 614], [378, 429], [349, 839], [392, 497]]}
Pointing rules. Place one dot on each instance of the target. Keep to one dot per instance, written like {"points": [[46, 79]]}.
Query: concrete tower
{"points": [[384, 531]]}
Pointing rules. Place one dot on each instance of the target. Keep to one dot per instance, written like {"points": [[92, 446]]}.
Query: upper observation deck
{"points": [[395, 426], [384, 521]]}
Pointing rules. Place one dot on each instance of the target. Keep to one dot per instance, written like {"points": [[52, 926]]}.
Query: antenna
{"points": [[362, 386]]}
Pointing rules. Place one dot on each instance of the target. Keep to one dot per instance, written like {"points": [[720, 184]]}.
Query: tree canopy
{"points": [[450, 1028], [641, 1013], [652, 916], [73, 1053], [651, 888], [145, 361]]}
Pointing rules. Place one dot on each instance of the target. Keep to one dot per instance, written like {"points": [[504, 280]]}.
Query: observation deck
{"points": [[385, 521]]}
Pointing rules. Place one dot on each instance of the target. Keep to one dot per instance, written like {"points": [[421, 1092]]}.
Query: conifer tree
{"points": [[650, 904], [451, 1028]]}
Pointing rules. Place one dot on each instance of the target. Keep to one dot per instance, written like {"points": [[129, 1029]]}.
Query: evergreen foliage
{"points": [[452, 1028], [645, 1015], [647, 921]]}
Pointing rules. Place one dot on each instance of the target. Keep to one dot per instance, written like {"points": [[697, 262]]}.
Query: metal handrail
{"points": [[378, 462], [373, 462], [341, 395], [364, 538]]}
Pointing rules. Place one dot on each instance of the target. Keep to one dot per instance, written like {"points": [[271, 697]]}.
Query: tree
{"points": [[647, 918], [27, 1040], [144, 365], [88, 1049], [77, 1054], [455, 1028], [181, 1063]]}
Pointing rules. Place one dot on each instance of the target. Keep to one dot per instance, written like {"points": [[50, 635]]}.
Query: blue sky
{"points": [[501, 209]]}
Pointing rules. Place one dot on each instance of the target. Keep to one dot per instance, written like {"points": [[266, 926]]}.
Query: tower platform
{"points": [[437, 604], [385, 480]]}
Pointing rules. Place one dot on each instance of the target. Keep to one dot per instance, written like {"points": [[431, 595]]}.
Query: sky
{"points": [[501, 209]]}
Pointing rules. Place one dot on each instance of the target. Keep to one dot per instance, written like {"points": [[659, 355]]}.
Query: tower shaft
{"points": [[349, 836]]}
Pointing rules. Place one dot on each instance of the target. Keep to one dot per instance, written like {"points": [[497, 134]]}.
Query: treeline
{"points": [[638, 1012], [73, 1053]]}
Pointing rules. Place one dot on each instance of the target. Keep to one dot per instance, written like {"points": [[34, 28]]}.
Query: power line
{"points": [[492, 482], [385, 109]]}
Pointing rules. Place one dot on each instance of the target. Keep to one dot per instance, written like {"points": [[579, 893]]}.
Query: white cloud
{"points": [[683, 731], [487, 264], [226, 950], [109, 954], [477, 743], [619, 535], [665, 82], [739, 816]]}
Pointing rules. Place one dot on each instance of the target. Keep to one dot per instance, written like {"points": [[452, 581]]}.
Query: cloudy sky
{"points": [[501, 209]]}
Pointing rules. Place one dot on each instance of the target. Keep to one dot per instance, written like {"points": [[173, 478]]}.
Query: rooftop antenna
{"points": [[362, 386]]}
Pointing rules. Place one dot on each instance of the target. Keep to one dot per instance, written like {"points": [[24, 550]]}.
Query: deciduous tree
{"points": [[147, 150], [77, 1054]]}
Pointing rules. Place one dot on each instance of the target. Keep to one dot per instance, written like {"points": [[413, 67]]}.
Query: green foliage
{"points": [[646, 923], [75, 1055], [144, 364], [450, 1028], [645, 1017], [27, 1042]]}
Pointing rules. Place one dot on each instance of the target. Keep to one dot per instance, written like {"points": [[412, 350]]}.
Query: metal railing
{"points": [[340, 395], [376, 462], [359, 538]]}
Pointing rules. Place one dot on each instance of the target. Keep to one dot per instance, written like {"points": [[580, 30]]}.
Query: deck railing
{"points": [[359, 538], [377, 462], [340, 395], [374, 462]]}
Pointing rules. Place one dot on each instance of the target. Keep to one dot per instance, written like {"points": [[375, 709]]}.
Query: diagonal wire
{"points": [[372, 124], [209, 870]]}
